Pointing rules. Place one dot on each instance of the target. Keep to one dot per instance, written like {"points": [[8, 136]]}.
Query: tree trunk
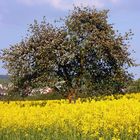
{"points": [[72, 96]]}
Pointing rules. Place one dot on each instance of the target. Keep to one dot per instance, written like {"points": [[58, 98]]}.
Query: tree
{"points": [[100, 53], [86, 54], [134, 86]]}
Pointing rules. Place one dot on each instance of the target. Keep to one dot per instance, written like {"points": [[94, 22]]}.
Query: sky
{"points": [[16, 15]]}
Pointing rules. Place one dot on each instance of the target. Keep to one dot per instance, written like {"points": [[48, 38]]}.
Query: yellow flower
{"points": [[39, 129], [96, 119], [26, 134]]}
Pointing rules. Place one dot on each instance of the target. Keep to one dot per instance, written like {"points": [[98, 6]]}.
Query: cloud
{"points": [[114, 1], [31, 2], [68, 4], [58, 4], [96, 3]]}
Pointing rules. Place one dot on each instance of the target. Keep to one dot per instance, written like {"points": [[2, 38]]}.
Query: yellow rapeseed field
{"points": [[110, 118]]}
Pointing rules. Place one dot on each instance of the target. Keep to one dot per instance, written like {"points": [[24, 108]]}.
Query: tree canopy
{"points": [[85, 54]]}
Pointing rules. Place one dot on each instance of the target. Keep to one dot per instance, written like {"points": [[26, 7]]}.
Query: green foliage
{"points": [[86, 53], [4, 80], [56, 133], [134, 86], [16, 97]]}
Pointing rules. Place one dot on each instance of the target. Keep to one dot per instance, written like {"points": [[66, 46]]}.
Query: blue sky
{"points": [[15, 15]]}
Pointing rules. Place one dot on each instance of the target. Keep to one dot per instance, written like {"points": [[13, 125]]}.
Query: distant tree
{"points": [[134, 86], [4, 79], [86, 55]]}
